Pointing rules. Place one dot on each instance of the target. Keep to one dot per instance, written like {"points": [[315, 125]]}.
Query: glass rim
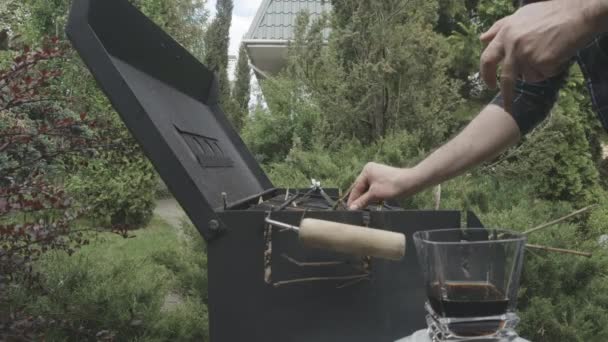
{"points": [[517, 236]]}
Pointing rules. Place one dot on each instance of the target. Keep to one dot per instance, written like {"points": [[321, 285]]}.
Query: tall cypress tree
{"points": [[241, 93], [217, 40]]}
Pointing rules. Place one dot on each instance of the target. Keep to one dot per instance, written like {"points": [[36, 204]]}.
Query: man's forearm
{"points": [[596, 13], [488, 135]]}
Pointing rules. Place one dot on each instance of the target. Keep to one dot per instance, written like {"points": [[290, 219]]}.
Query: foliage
{"points": [[36, 127], [451, 13], [241, 93], [340, 166], [150, 288], [383, 69], [563, 298], [184, 20], [217, 40], [116, 190], [466, 52], [36, 137], [565, 170], [490, 11], [289, 118], [45, 18], [11, 13]]}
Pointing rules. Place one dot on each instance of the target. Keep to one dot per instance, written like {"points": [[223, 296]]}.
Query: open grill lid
{"points": [[169, 102]]}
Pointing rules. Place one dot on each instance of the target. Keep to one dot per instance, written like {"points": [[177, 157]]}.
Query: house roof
{"points": [[275, 19]]}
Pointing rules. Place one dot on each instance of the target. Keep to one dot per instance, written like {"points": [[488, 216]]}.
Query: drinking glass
{"points": [[472, 278]]}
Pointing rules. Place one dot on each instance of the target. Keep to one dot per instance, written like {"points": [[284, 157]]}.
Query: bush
{"points": [[564, 169], [290, 118], [116, 192], [119, 287], [560, 158], [562, 297], [339, 165], [38, 137]]}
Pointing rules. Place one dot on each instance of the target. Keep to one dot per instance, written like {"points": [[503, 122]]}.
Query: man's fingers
{"points": [[508, 78], [489, 35], [362, 201], [490, 59], [359, 188]]}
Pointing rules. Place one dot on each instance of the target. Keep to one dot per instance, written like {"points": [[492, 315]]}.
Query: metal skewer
{"points": [[281, 225]]}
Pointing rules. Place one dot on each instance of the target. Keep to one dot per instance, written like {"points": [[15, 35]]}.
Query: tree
{"points": [[241, 91], [12, 13], [217, 41], [383, 69], [184, 20], [4, 38]]}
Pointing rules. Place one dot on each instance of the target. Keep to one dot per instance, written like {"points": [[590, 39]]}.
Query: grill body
{"points": [[386, 306]]}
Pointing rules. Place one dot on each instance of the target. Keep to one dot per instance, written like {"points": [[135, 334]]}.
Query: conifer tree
{"points": [[241, 91], [217, 40]]}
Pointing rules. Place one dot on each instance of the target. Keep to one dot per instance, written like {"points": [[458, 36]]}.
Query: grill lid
{"points": [[169, 102]]}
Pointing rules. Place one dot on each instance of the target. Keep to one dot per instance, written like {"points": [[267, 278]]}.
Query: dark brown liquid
{"points": [[462, 300], [457, 300]]}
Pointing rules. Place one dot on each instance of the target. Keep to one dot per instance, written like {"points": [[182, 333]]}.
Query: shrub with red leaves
{"points": [[38, 135]]}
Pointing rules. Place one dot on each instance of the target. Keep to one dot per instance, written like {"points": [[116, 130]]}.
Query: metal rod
{"points": [[548, 224], [305, 197], [282, 225], [246, 200], [559, 250], [313, 279], [344, 197], [327, 198], [313, 264], [288, 201]]}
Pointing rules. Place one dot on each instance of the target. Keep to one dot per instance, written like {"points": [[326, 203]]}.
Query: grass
{"points": [[122, 285]]}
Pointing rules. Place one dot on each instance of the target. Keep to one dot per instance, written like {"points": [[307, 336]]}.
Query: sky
{"points": [[242, 16]]}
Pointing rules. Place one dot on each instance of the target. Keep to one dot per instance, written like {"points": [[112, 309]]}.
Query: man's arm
{"points": [[489, 134], [597, 14]]}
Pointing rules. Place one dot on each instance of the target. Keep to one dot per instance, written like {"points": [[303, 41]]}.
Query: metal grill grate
{"points": [[314, 198]]}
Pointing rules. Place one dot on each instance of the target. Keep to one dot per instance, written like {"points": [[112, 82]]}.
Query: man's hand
{"points": [[380, 182], [538, 40]]}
